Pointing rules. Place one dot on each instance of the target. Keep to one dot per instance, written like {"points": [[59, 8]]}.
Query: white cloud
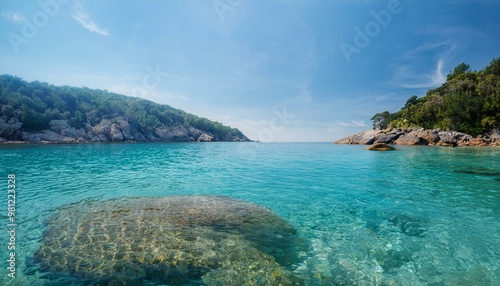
{"points": [[426, 47], [426, 80], [13, 17], [352, 123], [84, 19]]}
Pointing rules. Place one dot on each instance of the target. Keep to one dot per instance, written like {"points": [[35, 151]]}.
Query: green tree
{"points": [[460, 69], [380, 120], [411, 101], [493, 67]]}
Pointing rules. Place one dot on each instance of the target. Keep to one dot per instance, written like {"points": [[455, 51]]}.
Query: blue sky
{"points": [[283, 70]]}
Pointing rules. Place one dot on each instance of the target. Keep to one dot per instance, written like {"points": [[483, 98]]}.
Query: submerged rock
{"points": [[170, 240], [380, 147], [479, 171], [409, 225]]}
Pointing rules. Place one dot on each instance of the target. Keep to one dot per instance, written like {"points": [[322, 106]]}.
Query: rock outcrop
{"points": [[421, 137], [362, 138], [205, 138], [116, 129], [10, 128], [380, 147]]}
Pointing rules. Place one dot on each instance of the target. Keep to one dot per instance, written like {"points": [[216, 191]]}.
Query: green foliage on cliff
{"points": [[469, 102], [35, 104]]}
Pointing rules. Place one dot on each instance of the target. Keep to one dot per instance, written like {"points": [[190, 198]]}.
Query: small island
{"points": [[463, 111], [36, 112]]}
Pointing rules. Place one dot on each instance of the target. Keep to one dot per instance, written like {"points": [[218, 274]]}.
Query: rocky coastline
{"points": [[412, 136], [117, 129]]}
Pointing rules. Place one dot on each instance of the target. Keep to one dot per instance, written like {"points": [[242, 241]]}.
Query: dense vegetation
{"points": [[469, 102], [35, 104]]}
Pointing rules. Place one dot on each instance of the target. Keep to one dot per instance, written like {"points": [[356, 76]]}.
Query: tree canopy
{"points": [[35, 104], [469, 102]]}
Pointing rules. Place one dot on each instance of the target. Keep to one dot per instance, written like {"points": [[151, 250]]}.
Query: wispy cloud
{"points": [[425, 47], [413, 72], [13, 17], [83, 17], [409, 79], [352, 123]]}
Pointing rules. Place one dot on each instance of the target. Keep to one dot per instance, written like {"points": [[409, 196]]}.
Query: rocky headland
{"points": [[411, 136], [117, 129]]}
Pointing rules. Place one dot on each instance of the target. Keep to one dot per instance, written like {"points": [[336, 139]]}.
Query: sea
{"points": [[419, 215]]}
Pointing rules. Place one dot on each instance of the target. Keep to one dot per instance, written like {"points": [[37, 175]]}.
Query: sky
{"points": [[280, 71]]}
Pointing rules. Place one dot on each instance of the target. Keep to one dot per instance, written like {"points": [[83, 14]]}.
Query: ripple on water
{"points": [[172, 240]]}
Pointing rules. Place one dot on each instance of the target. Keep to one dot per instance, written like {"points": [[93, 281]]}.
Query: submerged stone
{"points": [[209, 240], [381, 147], [409, 225], [479, 171]]}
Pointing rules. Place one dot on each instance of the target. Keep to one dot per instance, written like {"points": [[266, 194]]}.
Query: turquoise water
{"points": [[416, 216]]}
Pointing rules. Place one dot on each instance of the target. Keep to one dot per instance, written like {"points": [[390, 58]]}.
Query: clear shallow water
{"points": [[417, 216]]}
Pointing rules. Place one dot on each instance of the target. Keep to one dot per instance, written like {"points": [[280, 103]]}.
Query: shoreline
{"points": [[104, 143], [421, 137]]}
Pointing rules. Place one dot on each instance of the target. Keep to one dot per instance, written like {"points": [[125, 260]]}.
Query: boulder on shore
{"points": [[205, 138], [381, 147], [115, 129], [420, 136]]}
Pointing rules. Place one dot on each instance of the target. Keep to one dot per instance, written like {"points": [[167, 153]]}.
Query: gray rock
{"points": [[44, 135], [194, 133], [175, 133], [419, 137], [107, 130], [363, 138], [205, 138], [125, 128], [96, 139], [61, 127], [453, 138], [116, 133], [411, 139], [10, 129], [138, 137], [431, 136], [388, 138]]}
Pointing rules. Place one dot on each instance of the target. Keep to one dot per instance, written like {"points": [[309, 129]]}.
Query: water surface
{"points": [[415, 216]]}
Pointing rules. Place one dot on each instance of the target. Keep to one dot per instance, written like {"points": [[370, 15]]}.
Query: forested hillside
{"points": [[35, 105], [469, 102]]}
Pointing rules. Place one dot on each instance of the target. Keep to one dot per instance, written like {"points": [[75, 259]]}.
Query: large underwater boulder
{"points": [[180, 240]]}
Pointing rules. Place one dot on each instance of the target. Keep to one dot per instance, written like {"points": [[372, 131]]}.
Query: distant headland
{"points": [[410, 136], [463, 111], [35, 112]]}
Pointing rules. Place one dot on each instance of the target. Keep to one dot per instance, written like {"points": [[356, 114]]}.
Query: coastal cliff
{"points": [[117, 129], [37, 112], [411, 136]]}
